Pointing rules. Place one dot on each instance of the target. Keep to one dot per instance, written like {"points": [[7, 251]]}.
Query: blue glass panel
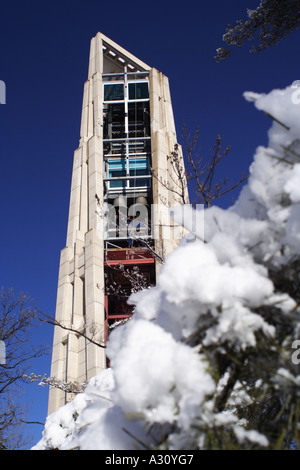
{"points": [[139, 163], [138, 91], [114, 92], [117, 168]]}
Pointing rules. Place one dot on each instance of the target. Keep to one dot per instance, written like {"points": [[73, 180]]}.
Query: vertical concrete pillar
{"points": [[80, 303]]}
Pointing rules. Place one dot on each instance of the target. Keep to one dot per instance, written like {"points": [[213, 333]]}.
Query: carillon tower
{"points": [[123, 184]]}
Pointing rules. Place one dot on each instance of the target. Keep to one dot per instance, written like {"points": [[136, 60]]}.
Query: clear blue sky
{"points": [[44, 59]]}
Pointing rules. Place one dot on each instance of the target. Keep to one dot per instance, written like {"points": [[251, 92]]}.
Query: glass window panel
{"points": [[117, 184], [139, 182], [139, 167], [139, 163], [114, 92], [117, 165], [117, 169], [138, 91], [114, 121], [139, 119]]}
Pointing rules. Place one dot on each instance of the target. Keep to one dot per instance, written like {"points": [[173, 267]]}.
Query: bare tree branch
{"points": [[203, 171], [17, 320], [80, 332]]}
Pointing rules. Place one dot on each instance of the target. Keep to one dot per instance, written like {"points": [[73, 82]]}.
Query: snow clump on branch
{"points": [[188, 362]]}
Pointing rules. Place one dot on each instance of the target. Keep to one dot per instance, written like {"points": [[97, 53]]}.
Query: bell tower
{"points": [[119, 225]]}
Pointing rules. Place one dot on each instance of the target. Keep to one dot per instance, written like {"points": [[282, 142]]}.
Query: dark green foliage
{"points": [[272, 21]]}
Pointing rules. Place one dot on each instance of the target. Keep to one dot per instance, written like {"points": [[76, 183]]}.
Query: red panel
{"points": [[128, 253], [129, 261]]}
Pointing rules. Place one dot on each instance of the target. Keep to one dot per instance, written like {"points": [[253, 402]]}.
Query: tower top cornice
{"points": [[101, 45]]}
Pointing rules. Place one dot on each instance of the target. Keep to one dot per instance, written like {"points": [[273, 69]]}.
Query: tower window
{"points": [[138, 91], [139, 167], [139, 119], [114, 121], [114, 92], [117, 168]]}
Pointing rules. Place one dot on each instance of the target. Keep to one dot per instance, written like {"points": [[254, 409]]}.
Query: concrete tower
{"points": [[123, 183]]}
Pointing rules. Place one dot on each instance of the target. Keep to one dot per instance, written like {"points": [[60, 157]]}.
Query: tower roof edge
{"points": [[123, 52]]}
